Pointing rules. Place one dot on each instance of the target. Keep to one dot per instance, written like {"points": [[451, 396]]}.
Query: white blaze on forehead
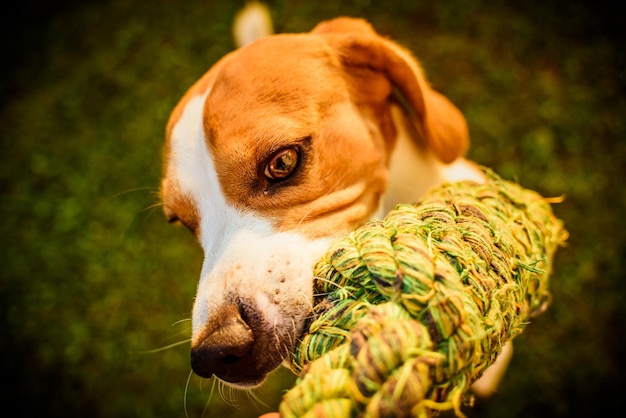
{"points": [[239, 248], [246, 261], [189, 155], [193, 168]]}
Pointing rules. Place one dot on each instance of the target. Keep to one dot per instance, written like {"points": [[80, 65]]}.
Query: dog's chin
{"points": [[250, 382]]}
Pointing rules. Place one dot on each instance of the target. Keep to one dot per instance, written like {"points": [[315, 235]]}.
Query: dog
{"points": [[284, 145]]}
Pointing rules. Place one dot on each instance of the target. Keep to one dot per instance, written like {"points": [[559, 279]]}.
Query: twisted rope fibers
{"points": [[410, 310]]}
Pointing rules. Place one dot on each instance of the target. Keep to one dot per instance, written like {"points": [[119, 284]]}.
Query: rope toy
{"points": [[410, 310]]}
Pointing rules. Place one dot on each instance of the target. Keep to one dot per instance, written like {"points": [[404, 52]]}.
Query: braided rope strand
{"points": [[412, 309]]}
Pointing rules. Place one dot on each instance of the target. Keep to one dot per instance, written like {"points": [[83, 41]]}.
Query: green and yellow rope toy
{"points": [[410, 310]]}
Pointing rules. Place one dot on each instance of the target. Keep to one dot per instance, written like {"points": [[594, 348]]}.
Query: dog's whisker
{"points": [[166, 347], [307, 299], [152, 206], [210, 397], [325, 280], [293, 336], [292, 339], [185, 340], [150, 209], [151, 189], [229, 394], [180, 321], [276, 339], [276, 335], [185, 393], [282, 351], [255, 398], [282, 348], [220, 389], [311, 311]]}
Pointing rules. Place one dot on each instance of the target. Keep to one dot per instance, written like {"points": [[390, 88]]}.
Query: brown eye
{"points": [[282, 164]]}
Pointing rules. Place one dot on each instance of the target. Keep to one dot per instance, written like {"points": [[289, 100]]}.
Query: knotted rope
{"points": [[410, 310]]}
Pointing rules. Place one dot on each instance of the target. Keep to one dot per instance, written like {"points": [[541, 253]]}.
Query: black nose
{"points": [[225, 350]]}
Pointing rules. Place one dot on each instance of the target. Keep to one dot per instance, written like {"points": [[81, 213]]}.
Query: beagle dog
{"points": [[284, 145]]}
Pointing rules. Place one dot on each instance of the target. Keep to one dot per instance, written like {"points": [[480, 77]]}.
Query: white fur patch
{"points": [[245, 259]]}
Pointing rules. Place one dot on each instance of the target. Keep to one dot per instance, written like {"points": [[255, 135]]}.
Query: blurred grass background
{"points": [[93, 280]]}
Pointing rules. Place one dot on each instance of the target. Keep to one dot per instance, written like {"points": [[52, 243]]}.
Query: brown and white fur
{"points": [[282, 146]]}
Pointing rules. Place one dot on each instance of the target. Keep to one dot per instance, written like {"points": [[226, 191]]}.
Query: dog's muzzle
{"points": [[230, 350]]}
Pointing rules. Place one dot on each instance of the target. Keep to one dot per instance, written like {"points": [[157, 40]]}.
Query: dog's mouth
{"points": [[239, 347]]}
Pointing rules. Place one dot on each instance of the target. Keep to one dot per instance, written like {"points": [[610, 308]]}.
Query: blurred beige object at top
{"points": [[251, 23]]}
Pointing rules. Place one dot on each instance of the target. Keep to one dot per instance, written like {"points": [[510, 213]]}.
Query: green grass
{"points": [[94, 281]]}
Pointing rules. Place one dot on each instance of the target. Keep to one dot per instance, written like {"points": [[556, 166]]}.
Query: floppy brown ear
{"points": [[442, 123]]}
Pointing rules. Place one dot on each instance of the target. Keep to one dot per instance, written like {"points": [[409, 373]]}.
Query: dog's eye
{"points": [[282, 164], [173, 219]]}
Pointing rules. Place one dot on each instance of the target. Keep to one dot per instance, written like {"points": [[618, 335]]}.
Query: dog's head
{"points": [[280, 147]]}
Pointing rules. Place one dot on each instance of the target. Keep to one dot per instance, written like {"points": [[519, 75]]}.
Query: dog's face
{"points": [[281, 147]]}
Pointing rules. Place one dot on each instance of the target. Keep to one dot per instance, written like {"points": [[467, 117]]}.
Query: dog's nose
{"points": [[226, 348]]}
